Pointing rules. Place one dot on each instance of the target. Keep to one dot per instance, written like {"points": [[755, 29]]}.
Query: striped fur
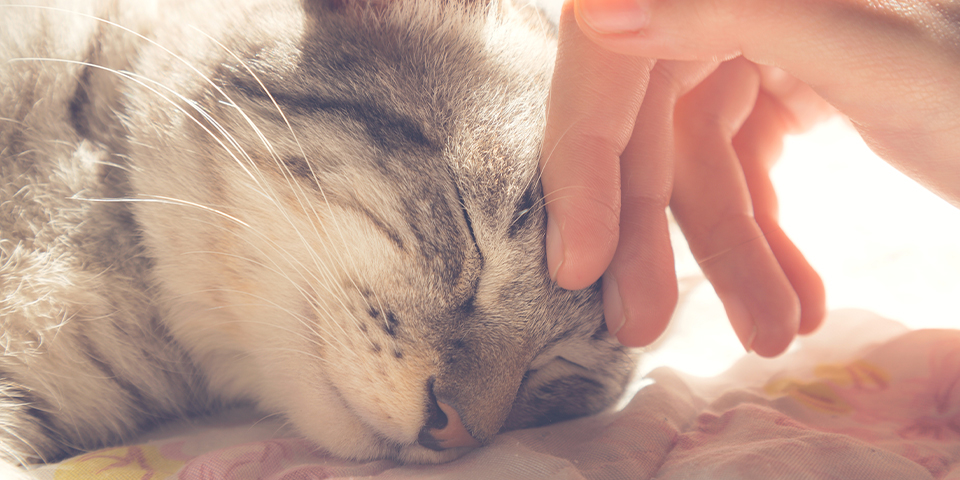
{"points": [[328, 209]]}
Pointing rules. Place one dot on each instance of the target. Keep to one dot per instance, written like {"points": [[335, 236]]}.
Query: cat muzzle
{"points": [[444, 430]]}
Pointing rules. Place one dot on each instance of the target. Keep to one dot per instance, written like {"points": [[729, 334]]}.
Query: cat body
{"points": [[329, 210]]}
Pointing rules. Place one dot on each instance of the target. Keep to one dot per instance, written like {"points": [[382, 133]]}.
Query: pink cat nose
{"points": [[447, 433]]}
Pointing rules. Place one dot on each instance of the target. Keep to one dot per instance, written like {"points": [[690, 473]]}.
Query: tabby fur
{"points": [[330, 210]]}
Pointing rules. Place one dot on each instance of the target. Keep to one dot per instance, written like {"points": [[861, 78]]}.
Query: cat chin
{"points": [[324, 419], [333, 401]]}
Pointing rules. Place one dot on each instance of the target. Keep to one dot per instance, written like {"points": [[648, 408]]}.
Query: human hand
{"points": [[729, 132], [893, 75], [721, 138]]}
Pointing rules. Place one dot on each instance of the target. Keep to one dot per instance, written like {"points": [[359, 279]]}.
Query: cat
{"points": [[328, 209]]}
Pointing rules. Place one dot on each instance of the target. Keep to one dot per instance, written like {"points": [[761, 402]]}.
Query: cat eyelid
{"points": [[525, 205], [571, 362], [538, 364], [466, 217]]}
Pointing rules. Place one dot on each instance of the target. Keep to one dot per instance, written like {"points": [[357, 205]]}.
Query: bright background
{"points": [[879, 241]]}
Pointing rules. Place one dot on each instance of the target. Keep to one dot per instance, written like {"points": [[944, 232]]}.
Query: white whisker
{"points": [[546, 161], [285, 169], [166, 201]]}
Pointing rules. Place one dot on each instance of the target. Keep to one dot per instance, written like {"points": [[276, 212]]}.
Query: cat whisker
{"points": [[279, 416], [546, 161], [274, 156], [551, 197], [172, 201], [287, 174], [133, 77], [244, 245], [166, 201], [319, 266], [178, 202], [310, 341], [346, 352], [166, 50], [312, 356], [268, 303], [118, 166], [142, 81], [234, 143], [38, 455]]}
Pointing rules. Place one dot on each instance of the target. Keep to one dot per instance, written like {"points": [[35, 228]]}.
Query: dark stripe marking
{"points": [[384, 126], [391, 324], [138, 399]]}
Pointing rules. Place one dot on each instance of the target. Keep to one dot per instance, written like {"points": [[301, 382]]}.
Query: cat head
{"points": [[343, 206]]}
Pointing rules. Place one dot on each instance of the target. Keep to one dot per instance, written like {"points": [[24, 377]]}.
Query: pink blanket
{"points": [[864, 398]]}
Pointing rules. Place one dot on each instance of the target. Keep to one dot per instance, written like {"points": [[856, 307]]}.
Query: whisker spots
{"points": [[389, 320], [298, 166], [390, 324]]}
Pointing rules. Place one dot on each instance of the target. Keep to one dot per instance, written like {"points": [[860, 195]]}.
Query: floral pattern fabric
{"points": [[864, 398]]}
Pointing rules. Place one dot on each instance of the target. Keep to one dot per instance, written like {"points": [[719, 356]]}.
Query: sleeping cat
{"points": [[329, 209]]}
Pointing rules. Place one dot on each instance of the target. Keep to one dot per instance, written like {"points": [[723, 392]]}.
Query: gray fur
{"points": [[328, 209]]}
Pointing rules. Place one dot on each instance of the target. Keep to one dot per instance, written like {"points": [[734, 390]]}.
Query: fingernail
{"points": [[614, 16], [613, 309], [742, 322], [554, 247]]}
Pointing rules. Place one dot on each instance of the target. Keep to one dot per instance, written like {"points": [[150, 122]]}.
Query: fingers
{"points": [[799, 107], [806, 37], [890, 66], [589, 122], [758, 142], [713, 206], [640, 287]]}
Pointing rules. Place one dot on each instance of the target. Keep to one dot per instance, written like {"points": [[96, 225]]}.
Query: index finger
{"points": [[594, 100]]}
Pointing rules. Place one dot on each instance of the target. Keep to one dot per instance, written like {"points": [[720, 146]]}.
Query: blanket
{"points": [[864, 398]]}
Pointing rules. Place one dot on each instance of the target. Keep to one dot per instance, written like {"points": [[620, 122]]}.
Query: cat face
{"points": [[347, 226]]}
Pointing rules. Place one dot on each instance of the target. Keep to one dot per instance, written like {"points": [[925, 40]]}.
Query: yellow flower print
{"points": [[138, 462], [859, 375], [821, 395], [818, 395]]}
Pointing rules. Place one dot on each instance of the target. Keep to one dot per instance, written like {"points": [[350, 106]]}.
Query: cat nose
{"points": [[444, 429]]}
